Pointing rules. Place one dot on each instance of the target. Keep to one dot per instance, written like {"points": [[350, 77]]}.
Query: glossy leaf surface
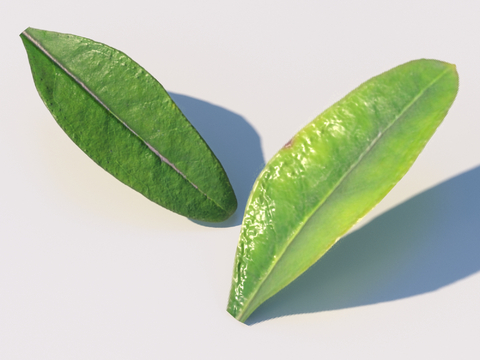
{"points": [[332, 173], [123, 118]]}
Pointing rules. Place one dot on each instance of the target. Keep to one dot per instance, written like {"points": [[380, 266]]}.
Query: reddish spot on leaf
{"points": [[288, 144]]}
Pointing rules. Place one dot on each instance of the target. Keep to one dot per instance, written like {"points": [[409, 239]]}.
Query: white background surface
{"points": [[89, 269]]}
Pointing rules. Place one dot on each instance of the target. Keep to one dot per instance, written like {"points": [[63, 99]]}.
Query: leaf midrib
{"points": [[95, 96], [339, 182]]}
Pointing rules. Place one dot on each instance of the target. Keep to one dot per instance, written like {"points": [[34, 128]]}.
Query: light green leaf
{"points": [[123, 118], [332, 173]]}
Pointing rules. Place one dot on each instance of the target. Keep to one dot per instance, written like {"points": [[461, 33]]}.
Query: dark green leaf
{"points": [[123, 118], [332, 173]]}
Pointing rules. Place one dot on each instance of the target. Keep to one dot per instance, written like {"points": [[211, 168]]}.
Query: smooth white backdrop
{"points": [[89, 269]]}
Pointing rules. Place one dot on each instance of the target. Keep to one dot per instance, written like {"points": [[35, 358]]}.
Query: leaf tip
{"points": [[26, 31], [238, 315]]}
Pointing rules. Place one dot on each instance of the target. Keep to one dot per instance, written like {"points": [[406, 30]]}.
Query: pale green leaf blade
{"points": [[332, 173], [123, 118]]}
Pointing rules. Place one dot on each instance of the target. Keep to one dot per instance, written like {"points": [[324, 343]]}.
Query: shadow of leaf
{"points": [[427, 242], [235, 143]]}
